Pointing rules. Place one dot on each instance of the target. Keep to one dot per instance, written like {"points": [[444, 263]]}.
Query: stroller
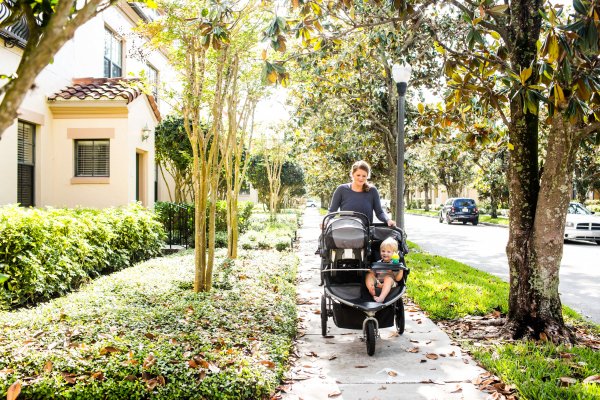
{"points": [[349, 247]]}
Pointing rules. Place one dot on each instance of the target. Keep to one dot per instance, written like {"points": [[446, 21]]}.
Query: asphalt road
{"points": [[483, 247]]}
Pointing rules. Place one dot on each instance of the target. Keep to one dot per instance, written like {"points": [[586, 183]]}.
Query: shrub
{"points": [[46, 253]]}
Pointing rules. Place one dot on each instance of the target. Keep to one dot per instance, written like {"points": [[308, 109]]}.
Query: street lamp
{"points": [[401, 75]]}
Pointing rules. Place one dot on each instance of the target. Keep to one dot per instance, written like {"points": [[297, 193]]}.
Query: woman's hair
{"points": [[389, 243], [365, 167]]}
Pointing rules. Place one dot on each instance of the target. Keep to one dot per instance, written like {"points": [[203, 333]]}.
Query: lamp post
{"points": [[401, 75]]}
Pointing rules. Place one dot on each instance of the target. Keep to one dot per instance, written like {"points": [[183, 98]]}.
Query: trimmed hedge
{"points": [[142, 333], [48, 252]]}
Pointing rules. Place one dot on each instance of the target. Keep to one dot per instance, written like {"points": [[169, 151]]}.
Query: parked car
{"points": [[311, 203], [582, 224], [459, 209]]}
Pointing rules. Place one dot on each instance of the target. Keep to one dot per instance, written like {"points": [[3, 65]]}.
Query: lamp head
{"points": [[401, 73], [146, 131]]}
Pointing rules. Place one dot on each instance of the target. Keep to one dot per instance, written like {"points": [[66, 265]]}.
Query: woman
{"points": [[359, 195]]}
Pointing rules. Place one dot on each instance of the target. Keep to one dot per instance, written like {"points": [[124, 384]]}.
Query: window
{"points": [[26, 163], [92, 157], [153, 81], [113, 55]]}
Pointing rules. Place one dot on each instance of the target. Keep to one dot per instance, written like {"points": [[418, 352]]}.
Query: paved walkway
{"points": [[423, 363]]}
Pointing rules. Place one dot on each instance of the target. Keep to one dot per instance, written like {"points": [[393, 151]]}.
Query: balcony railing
{"points": [[16, 34]]}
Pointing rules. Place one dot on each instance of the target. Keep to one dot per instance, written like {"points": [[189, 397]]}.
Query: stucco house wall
{"points": [[83, 56]]}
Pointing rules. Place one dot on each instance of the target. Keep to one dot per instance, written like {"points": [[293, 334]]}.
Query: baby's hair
{"points": [[389, 243]]}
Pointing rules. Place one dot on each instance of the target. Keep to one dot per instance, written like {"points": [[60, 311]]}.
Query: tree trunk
{"points": [[426, 196], [534, 246]]}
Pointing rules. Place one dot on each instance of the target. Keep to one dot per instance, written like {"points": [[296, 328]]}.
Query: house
{"points": [[84, 135]]}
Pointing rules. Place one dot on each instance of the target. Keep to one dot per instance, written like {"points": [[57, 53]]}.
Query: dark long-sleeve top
{"points": [[346, 199]]}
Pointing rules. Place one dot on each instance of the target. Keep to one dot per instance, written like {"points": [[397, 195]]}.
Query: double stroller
{"points": [[349, 248]]}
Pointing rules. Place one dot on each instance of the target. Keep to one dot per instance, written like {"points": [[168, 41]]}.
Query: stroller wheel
{"points": [[400, 320], [370, 335], [323, 315]]}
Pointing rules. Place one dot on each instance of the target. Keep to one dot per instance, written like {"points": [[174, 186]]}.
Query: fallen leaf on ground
{"points": [[109, 349], [592, 379], [13, 391], [391, 372], [414, 341], [48, 366], [312, 354], [432, 356], [267, 363], [334, 394], [413, 350], [457, 390], [567, 381], [361, 366]]}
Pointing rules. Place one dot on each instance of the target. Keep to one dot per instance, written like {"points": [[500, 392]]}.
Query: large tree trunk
{"points": [[535, 241]]}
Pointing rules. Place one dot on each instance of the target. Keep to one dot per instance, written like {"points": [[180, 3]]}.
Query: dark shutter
{"points": [[26, 164]]}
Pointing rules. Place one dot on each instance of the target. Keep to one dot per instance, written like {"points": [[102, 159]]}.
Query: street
{"points": [[483, 247]]}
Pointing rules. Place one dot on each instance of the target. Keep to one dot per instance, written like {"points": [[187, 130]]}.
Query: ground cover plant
{"points": [[142, 333], [49, 252], [470, 305]]}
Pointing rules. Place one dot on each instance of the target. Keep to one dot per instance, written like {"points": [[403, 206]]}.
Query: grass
{"points": [[489, 220], [143, 333], [446, 289], [422, 212]]}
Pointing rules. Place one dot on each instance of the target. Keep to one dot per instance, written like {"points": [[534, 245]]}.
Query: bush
{"points": [[46, 253]]}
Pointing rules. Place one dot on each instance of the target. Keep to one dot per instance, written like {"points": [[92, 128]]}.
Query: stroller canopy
{"points": [[345, 233]]}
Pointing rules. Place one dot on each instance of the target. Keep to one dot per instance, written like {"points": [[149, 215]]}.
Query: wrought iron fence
{"points": [[178, 221]]}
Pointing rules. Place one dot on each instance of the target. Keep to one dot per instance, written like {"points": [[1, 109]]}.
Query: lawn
{"points": [[449, 291]]}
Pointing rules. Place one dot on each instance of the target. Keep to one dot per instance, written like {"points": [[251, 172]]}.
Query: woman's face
{"points": [[359, 176]]}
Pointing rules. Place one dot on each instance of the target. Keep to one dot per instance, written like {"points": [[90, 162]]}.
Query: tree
{"points": [[503, 66], [291, 178], [173, 154], [51, 23]]}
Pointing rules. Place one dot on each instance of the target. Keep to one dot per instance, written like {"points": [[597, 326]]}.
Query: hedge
{"points": [[48, 252], [142, 333]]}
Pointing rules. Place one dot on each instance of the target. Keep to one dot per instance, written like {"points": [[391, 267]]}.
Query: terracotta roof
{"points": [[99, 88]]}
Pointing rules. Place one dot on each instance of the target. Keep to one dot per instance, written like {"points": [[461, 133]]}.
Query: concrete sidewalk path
{"points": [[423, 363]]}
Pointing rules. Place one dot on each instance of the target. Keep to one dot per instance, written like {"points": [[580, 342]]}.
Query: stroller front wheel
{"points": [[400, 319], [323, 315], [370, 337]]}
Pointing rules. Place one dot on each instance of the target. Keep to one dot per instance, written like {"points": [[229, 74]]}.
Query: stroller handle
{"points": [[364, 219]]}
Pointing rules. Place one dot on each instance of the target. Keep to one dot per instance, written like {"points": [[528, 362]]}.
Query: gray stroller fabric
{"points": [[345, 233]]}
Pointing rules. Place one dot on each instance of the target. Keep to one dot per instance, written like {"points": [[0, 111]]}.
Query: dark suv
{"points": [[459, 209]]}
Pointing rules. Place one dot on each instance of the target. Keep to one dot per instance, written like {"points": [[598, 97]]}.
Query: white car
{"points": [[582, 224], [311, 203]]}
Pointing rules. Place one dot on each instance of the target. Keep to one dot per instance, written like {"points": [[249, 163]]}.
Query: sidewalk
{"points": [[423, 363]]}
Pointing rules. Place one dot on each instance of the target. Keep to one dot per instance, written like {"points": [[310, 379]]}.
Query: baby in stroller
{"points": [[384, 279]]}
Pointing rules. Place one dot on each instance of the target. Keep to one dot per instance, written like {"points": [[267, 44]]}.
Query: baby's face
{"points": [[386, 254]]}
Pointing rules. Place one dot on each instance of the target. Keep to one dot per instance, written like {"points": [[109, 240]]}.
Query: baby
{"points": [[384, 279]]}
